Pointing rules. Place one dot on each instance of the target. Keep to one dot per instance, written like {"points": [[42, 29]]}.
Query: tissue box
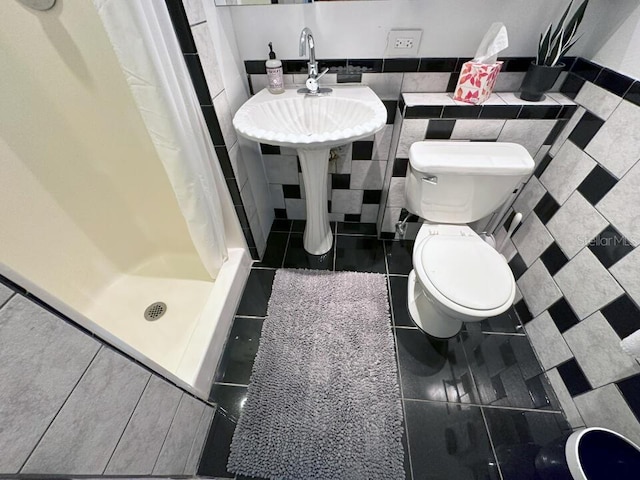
{"points": [[476, 82]]}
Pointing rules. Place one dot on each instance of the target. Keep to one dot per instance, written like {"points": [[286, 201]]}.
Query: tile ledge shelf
{"points": [[496, 99]]}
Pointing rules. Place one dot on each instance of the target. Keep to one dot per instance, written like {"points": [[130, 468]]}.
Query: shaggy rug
{"points": [[323, 401]]}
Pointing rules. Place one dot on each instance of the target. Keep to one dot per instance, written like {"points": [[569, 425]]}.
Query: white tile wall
{"points": [[605, 407], [530, 195], [477, 129], [575, 224], [206, 51], [413, 130], [547, 341], [597, 100], [282, 169], [386, 85], [528, 133], [367, 174], [425, 82], [538, 288], [566, 171], [586, 284], [626, 272], [277, 196], [617, 205], [616, 146], [225, 118], [566, 402], [596, 347], [346, 201], [532, 239]]}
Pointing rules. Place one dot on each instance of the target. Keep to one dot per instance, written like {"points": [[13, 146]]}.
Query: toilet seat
{"points": [[464, 273]]}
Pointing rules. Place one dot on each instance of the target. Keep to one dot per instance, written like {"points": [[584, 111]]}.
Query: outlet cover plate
{"points": [[403, 43]]}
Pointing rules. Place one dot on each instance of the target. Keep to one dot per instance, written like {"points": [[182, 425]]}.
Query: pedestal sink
{"points": [[312, 125]]}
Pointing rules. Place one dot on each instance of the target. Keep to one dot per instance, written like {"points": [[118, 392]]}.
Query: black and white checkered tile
{"points": [[200, 57], [354, 187], [435, 116], [358, 180], [390, 76], [575, 257]]}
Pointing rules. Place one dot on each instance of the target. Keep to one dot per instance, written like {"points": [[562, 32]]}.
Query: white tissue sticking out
{"points": [[494, 41], [631, 344]]}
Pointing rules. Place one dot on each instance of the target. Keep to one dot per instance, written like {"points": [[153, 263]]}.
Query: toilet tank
{"points": [[461, 182]]}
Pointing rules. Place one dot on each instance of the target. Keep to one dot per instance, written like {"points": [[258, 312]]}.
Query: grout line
{"points": [[257, 267], [494, 407], [398, 275], [405, 327], [13, 294], [198, 23], [505, 123], [61, 407], [506, 334], [254, 317], [193, 442], [493, 449], [286, 247], [166, 435], [395, 347], [473, 377], [204, 444], [128, 422], [229, 384]]}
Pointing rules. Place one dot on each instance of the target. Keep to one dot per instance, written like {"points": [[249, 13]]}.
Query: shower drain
{"points": [[155, 311]]}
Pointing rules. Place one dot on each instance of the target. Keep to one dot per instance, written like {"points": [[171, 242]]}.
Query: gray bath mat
{"points": [[324, 401]]}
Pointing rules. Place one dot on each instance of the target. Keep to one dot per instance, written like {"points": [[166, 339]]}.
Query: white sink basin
{"points": [[294, 120], [312, 125]]}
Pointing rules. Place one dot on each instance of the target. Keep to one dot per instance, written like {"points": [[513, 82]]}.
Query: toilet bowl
{"points": [[457, 277]]}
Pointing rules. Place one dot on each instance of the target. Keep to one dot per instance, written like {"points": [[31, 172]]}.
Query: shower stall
{"points": [[103, 213]]}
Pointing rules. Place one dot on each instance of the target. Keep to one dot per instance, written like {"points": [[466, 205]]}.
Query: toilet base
{"points": [[426, 317]]}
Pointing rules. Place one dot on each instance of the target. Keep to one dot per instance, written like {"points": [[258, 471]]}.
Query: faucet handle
{"points": [[322, 74]]}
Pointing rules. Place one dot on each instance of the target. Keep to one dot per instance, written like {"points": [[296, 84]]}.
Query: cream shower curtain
{"points": [[142, 37]]}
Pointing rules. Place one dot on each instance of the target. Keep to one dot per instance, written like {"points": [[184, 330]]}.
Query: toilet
{"points": [[458, 277]]}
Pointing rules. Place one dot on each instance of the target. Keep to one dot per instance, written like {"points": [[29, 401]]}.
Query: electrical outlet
{"points": [[403, 43]]}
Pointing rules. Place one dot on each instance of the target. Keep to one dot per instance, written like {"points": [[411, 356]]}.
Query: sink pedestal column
{"points": [[318, 238]]}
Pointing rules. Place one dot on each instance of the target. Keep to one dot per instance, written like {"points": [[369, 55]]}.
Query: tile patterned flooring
{"points": [[477, 406]]}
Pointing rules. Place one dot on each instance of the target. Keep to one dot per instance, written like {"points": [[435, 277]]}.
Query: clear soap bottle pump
{"points": [[274, 72]]}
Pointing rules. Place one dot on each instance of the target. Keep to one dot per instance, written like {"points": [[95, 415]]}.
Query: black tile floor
{"points": [[476, 406]]}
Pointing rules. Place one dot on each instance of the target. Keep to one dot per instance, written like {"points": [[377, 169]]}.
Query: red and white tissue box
{"points": [[476, 81]]}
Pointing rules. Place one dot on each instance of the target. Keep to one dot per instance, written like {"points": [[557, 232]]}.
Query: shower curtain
{"points": [[142, 37]]}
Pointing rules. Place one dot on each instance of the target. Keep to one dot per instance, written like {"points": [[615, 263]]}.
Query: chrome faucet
{"points": [[306, 39]]}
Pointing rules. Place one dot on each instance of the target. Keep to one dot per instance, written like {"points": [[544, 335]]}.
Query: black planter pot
{"points": [[538, 80]]}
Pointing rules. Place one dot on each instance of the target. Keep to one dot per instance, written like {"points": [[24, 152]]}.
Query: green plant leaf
{"points": [[560, 27], [544, 45], [552, 46], [576, 20], [556, 49]]}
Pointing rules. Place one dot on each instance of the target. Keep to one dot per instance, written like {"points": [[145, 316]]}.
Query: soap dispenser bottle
{"points": [[274, 72]]}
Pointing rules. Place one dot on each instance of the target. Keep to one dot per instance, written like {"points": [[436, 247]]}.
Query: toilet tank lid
{"points": [[470, 158]]}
